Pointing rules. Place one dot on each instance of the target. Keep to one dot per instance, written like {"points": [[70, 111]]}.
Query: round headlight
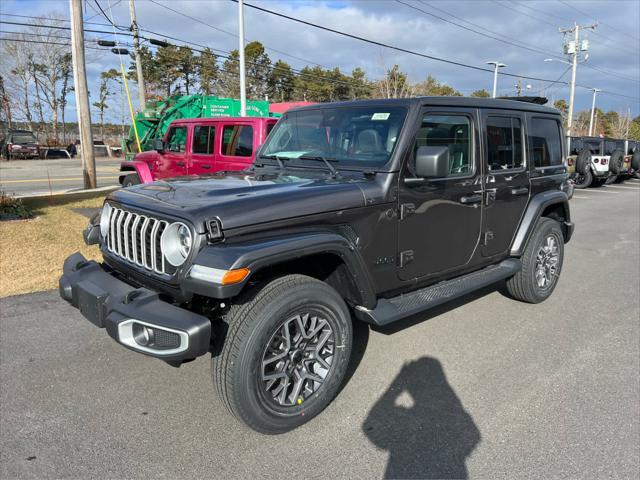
{"points": [[105, 216], [176, 243]]}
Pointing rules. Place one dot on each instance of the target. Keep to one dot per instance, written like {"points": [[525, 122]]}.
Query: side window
{"points": [[237, 140], [177, 139], [453, 132], [545, 144], [203, 137], [504, 143]]}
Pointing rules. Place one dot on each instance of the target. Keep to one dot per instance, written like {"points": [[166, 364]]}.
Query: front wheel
{"points": [[285, 354], [541, 264], [130, 180]]}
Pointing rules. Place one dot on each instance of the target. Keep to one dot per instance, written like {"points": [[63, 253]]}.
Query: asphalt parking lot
{"points": [[31, 177], [483, 388]]}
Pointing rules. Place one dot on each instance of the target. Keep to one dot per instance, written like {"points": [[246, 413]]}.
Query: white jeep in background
{"points": [[596, 161]]}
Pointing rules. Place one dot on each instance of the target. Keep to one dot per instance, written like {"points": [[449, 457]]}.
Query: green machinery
{"points": [[154, 120]]}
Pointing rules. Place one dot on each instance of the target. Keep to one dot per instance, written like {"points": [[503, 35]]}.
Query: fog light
{"points": [[142, 335]]}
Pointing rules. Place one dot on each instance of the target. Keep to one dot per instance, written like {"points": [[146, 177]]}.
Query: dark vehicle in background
{"points": [[367, 211], [19, 144]]}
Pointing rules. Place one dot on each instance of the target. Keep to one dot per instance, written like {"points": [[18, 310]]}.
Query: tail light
{"points": [[9, 147], [570, 162], [604, 161]]}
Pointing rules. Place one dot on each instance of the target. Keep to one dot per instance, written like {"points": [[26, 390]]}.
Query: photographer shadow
{"points": [[422, 423]]}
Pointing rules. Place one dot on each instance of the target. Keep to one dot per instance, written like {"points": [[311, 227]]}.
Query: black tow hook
{"points": [[131, 296]]}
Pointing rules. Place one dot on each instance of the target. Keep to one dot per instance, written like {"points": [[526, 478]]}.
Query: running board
{"points": [[393, 309]]}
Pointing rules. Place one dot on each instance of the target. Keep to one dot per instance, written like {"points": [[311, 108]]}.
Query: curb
{"points": [[61, 198]]}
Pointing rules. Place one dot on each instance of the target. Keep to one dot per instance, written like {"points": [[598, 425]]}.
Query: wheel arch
{"points": [[551, 204], [326, 256], [141, 168]]}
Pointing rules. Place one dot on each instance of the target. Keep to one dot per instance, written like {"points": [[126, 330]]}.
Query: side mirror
{"points": [[158, 145], [432, 162]]}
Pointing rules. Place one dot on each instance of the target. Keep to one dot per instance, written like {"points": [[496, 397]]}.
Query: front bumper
{"points": [[135, 317]]}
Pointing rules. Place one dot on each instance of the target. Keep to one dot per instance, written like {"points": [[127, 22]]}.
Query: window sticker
{"points": [[380, 116]]}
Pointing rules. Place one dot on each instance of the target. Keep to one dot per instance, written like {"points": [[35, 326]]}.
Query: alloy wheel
{"points": [[547, 262]]}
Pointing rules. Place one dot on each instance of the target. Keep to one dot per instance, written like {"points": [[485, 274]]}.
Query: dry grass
{"points": [[32, 251]]}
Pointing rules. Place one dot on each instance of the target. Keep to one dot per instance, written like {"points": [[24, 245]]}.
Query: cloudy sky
{"points": [[428, 28]]}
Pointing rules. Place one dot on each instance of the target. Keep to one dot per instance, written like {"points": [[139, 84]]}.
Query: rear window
{"points": [[23, 138], [545, 142], [237, 140]]}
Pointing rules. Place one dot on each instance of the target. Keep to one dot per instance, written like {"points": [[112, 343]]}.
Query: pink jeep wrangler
{"points": [[198, 146]]}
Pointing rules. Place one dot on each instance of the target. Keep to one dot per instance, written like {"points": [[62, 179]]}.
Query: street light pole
{"points": [[593, 111], [136, 48], [496, 66], [243, 88]]}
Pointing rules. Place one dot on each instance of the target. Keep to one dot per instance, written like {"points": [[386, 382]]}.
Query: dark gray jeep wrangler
{"points": [[358, 211]]}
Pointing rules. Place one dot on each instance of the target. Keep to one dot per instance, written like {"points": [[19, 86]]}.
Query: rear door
{"points": [[506, 182], [238, 144], [202, 150]]}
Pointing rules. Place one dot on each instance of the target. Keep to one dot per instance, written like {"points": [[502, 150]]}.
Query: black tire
{"points": [[252, 326], [583, 180], [610, 179], [635, 161], [583, 161], [598, 182], [636, 175], [130, 180], [526, 285], [616, 161]]}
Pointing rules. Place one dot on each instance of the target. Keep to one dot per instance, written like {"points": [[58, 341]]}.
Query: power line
{"points": [[108, 19], [582, 12], [487, 35], [233, 34], [42, 42]]}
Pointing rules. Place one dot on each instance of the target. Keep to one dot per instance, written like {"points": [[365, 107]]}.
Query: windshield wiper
{"points": [[276, 158], [327, 162]]}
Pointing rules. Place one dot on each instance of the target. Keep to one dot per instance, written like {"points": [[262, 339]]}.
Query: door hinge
{"points": [[406, 258], [407, 209], [488, 236]]}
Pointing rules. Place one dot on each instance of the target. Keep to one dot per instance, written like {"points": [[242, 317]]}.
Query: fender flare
{"points": [[258, 254], [141, 168], [534, 211]]}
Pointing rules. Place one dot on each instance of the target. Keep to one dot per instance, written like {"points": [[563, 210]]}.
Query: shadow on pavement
{"points": [[423, 425]]}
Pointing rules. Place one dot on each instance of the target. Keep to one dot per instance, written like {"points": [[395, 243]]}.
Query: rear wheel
{"points": [[583, 180], [610, 179], [285, 354], [130, 180], [541, 264]]}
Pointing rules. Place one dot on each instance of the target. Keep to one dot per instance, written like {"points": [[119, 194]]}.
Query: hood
{"points": [[239, 198]]}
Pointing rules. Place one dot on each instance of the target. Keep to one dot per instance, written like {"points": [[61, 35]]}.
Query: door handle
{"points": [[519, 191], [471, 199], [207, 166]]}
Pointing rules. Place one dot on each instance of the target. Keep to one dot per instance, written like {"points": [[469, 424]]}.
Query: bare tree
{"points": [[619, 125], [394, 84], [6, 106]]}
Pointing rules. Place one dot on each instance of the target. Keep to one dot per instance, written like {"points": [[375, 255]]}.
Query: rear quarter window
{"points": [[545, 142]]}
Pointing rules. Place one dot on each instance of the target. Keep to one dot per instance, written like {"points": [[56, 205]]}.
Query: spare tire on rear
{"points": [[615, 162], [635, 160], [582, 162]]}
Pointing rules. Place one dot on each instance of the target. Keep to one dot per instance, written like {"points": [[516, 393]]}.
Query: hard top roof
{"points": [[469, 102], [219, 119]]}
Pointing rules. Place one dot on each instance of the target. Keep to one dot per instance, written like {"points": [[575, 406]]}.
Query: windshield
{"points": [[354, 136]]}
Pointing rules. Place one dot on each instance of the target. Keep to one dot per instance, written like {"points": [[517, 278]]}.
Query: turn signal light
{"points": [[235, 276]]}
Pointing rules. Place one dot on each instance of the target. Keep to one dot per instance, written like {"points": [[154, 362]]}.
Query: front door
{"points": [[441, 218], [173, 163], [506, 182], [202, 150]]}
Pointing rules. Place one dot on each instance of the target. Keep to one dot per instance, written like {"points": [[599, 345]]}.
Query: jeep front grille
{"points": [[136, 239]]}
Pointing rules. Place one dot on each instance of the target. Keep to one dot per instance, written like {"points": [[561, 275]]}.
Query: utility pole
{"points": [[574, 48], [496, 66], [82, 94], [136, 48], [243, 87], [593, 111]]}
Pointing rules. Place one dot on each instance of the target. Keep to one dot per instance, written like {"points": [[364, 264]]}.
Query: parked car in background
{"points": [[19, 144], [587, 163], [199, 146]]}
